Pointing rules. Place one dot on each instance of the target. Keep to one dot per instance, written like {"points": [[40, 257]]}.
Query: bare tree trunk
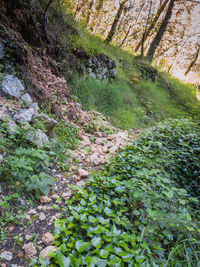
{"points": [[89, 11], [131, 26], [99, 7], [152, 25], [161, 31], [114, 25], [144, 34], [193, 61]]}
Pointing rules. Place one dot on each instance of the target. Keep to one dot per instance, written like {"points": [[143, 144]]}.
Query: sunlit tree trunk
{"points": [[193, 61], [152, 25], [114, 25], [161, 31]]}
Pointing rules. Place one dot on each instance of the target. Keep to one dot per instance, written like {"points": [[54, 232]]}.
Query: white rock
{"points": [[83, 173], [100, 141], [32, 212], [12, 86], [48, 239], [1, 158], [45, 200], [45, 252], [42, 216], [25, 115], [6, 255], [86, 140], [30, 250]]}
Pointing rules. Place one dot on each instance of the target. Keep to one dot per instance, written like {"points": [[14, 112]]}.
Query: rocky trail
{"points": [[33, 234]]}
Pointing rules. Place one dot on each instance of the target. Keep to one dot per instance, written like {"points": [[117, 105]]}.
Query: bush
{"points": [[139, 211]]}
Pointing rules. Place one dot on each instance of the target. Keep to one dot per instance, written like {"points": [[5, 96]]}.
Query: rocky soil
{"points": [[98, 141]]}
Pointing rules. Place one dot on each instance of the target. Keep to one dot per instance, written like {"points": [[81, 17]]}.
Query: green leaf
{"points": [[104, 253], [96, 242], [63, 261], [81, 245]]}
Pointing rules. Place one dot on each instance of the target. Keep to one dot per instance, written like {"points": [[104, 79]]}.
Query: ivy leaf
{"points": [[96, 242], [81, 245], [63, 261], [104, 253]]}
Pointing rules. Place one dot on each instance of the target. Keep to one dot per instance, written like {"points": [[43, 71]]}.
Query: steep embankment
{"points": [[133, 210]]}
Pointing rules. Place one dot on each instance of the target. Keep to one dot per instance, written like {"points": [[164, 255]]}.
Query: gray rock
{"points": [[99, 76], [2, 53], [1, 158], [92, 75], [38, 138], [27, 100], [35, 106], [113, 73], [12, 127], [12, 87], [49, 123], [6, 255], [25, 115]]}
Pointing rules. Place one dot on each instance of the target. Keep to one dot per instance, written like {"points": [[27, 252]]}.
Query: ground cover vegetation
{"points": [[141, 210]]}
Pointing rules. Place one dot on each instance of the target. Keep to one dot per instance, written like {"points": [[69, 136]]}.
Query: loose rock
{"points": [[30, 250], [45, 252], [38, 138], [48, 239], [12, 87], [42, 216], [27, 100], [83, 173], [45, 200], [6, 255]]}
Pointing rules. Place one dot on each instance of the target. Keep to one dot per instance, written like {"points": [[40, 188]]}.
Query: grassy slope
{"points": [[133, 99]]}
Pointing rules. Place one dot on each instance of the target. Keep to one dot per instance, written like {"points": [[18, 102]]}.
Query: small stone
{"points": [[20, 254], [28, 217], [30, 250], [13, 265], [11, 228], [32, 212], [45, 200], [86, 140], [83, 173], [27, 237], [6, 255], [100, 141], [48, 239], [45, 252], [27, 100], [113, 149], [52, 220], [42, 216]]}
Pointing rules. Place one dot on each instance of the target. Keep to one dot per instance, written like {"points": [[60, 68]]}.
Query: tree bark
{"points": [[114, 25], [151, 27], [144, 34], [193, 61], [161, 31]]}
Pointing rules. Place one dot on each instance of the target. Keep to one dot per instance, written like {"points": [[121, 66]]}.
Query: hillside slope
{"points": [[69, 106]]}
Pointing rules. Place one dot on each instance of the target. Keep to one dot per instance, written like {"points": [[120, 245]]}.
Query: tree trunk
{"points": [[91, 3], [144, 34], [151, 27], [193, 61], [131, 26], [161, 31], [99, 7], [114, 25]]}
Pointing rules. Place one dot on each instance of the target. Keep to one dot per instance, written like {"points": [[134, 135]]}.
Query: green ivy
{"points": [[139, 211]]}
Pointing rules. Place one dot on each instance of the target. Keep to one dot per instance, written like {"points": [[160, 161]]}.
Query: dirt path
{"points": [[32, 235]]}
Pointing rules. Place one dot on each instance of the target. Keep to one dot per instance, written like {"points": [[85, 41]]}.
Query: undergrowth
{"points": [[142, 210]]}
